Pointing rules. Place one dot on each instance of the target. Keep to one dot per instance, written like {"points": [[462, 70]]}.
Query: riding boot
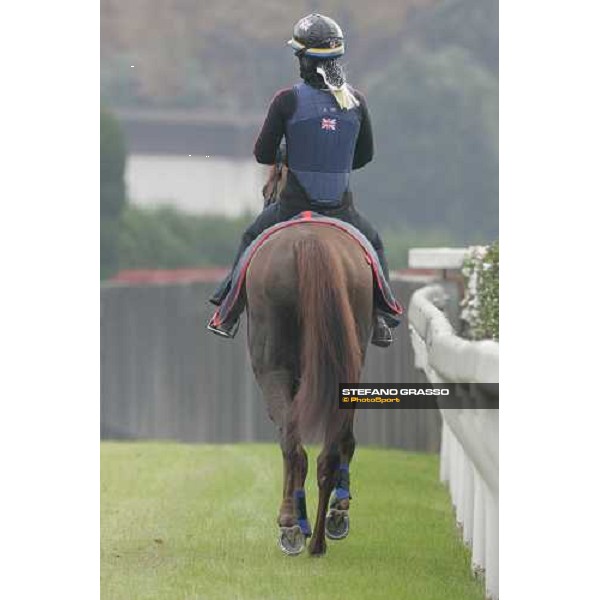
{"points": [[382, 334], [222, 291]]}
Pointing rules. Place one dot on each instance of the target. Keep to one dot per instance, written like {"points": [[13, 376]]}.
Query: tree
{"points": [[436, 142], [112, 191]]}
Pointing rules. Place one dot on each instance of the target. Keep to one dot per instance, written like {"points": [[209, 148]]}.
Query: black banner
{"points": [[418, 395]]}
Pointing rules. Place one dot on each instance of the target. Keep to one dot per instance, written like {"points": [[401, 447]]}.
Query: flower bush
{"points": [[480, 305]]}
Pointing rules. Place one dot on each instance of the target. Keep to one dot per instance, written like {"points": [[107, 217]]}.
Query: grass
{"points": [[198, 522]]}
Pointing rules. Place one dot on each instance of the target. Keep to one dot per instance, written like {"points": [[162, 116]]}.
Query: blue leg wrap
{"points": [[341, 494], [342, 486], [300, 502]]}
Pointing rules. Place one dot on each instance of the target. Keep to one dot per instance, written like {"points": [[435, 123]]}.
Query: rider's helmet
{"points": [[317, 36]]}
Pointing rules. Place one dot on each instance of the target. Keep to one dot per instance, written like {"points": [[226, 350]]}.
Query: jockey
{"points": [[328, 133]]}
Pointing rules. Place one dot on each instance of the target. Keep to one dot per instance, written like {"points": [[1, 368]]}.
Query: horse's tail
{"points": [[330, 347]]}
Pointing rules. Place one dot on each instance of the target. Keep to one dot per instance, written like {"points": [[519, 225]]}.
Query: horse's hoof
{"points": [[291, 540], [337, 524]]}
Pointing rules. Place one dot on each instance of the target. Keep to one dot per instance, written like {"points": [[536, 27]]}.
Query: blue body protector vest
{"points": [[321, 138]]}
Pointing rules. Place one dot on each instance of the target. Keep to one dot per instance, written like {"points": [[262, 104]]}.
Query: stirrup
{"points": [[227, 331]]}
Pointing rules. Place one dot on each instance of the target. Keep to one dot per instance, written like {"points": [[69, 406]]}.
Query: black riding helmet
{"points": [[317, 36]]}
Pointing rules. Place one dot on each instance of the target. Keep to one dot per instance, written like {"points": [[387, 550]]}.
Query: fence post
{"points": [[479, 526]]}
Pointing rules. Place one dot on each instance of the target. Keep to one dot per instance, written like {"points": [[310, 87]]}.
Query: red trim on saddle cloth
{"points": [[304, 217]]}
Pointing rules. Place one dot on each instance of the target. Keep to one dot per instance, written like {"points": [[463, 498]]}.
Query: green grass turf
{"points": [[198, 522]]}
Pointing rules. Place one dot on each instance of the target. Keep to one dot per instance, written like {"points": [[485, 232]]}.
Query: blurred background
{"points": [[185, 86], [195, 78]]}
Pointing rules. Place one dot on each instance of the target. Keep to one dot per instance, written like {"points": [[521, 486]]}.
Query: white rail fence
{"points": [[469, 450]]}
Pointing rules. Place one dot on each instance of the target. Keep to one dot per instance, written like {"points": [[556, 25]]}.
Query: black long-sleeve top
{"points": [[282, 109]]}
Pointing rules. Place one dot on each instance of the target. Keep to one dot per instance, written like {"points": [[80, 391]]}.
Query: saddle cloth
{"points": [[385, 301]]}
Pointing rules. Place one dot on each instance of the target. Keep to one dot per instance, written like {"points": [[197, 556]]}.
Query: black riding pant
{"points": [[289, 206]]}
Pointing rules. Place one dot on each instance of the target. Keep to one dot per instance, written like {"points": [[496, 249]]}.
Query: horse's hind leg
{"points": [[337, 522], [295, 467], [295, 460], [276, 387], [333, 473], [327, 464], [293, 520]]}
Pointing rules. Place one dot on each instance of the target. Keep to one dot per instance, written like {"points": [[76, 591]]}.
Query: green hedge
{"points": [[165, 238]]}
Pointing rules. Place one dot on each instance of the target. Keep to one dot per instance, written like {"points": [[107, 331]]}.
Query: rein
{"points": [[272, 197], [277, 176]]}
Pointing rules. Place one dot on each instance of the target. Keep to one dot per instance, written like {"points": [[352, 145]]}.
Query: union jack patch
{"points": [[328, 124]]}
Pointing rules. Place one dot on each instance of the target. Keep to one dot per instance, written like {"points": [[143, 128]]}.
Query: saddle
{"points": [[385, 302]]}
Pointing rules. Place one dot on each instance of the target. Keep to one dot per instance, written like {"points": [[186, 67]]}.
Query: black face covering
{"points": [[333, 71], [327, 74]]}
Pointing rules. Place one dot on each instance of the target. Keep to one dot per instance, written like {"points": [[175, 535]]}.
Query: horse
{"points": [[309, 293]]}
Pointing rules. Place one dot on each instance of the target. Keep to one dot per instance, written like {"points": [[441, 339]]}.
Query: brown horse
{"points": [[310, 305]]}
